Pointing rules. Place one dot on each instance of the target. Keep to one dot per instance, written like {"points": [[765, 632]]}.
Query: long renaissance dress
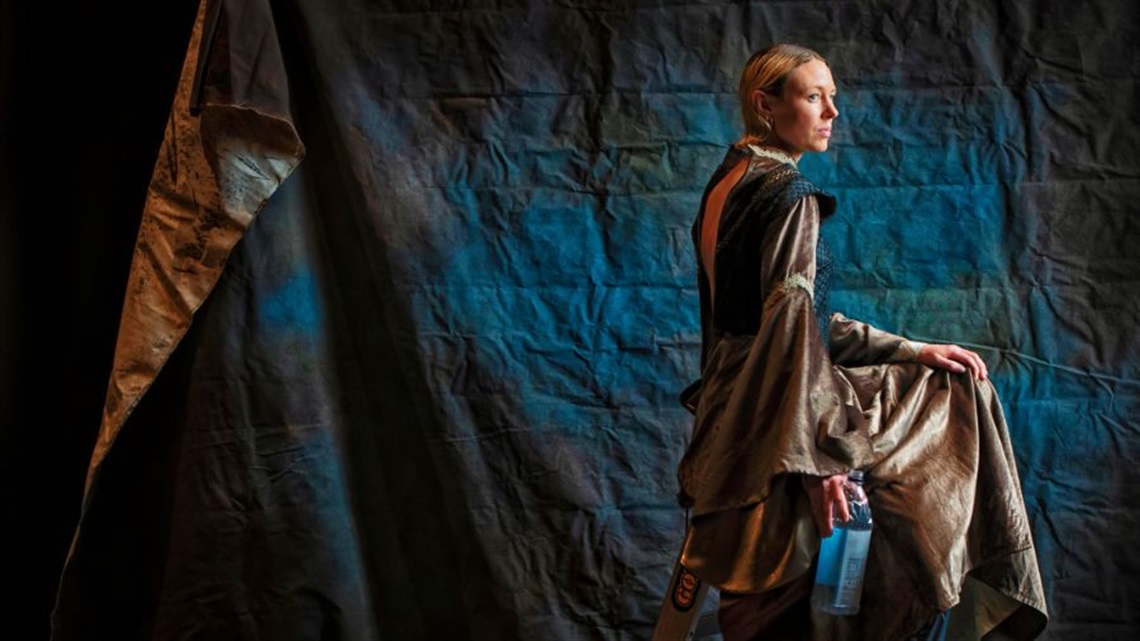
{"points": [[787, 389]]}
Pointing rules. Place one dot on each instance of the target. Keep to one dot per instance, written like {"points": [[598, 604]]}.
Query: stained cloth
{"points": [[773, 404]]}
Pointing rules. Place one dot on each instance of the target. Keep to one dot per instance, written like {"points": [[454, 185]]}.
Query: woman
{"points": [[791, 399]]}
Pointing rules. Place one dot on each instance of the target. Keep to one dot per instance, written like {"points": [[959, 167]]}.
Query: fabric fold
{"points": [[218, 165]]}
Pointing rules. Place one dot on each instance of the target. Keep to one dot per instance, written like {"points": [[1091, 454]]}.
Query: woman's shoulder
{"points": [[776, 186], [797, 187]]}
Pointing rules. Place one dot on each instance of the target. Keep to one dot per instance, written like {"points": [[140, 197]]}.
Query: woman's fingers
{"points": [[838, 499], [955, 359], [983, 373], [820, 505], [971, 360], [827, 500], [945, 362], [976, 364], [823, 517]]}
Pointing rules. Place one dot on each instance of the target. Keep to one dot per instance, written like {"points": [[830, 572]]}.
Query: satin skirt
{"points": [[950, 527]]}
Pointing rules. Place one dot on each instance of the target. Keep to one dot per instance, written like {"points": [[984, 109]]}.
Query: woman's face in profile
{"points": [[803, 115]]}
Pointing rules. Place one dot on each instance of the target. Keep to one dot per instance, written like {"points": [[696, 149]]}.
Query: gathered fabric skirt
{"points": [[950, 533]]}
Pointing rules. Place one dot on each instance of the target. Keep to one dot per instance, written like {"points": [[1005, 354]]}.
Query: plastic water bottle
{"points": [[843, 555]]}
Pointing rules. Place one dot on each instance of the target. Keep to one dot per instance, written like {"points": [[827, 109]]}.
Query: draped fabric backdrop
{"points": [[413, 296]]}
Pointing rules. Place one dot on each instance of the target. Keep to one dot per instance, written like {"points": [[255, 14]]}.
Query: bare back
{"points": [[710, 223]]}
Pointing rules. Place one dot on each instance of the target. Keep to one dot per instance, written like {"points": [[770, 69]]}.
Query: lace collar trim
{"points": [[774, 154]]}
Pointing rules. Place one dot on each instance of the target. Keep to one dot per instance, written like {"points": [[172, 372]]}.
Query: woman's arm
{"points": [[855, 343]]}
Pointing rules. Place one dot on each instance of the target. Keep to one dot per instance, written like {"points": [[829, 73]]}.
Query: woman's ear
{"points": [[762, 103]]}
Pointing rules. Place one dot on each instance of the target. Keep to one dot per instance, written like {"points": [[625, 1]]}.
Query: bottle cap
{"points": [[855, 475]]}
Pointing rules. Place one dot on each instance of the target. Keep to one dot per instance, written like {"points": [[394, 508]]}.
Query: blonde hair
{"points": [[767, 70]]}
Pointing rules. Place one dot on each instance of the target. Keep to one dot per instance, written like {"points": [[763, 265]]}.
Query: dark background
{"points": [[86, 89]]}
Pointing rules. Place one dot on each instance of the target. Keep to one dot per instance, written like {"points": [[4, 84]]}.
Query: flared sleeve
{"points": [[854, 343]]}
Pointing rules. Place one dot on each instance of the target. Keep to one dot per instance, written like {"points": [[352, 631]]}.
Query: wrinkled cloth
{"points": [[775, 401]]}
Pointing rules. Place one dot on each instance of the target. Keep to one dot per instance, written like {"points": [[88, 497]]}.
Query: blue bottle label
{"points": [[849, 583]]}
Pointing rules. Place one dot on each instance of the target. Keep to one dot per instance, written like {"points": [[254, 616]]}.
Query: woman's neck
{"points": [[774, 153]]}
